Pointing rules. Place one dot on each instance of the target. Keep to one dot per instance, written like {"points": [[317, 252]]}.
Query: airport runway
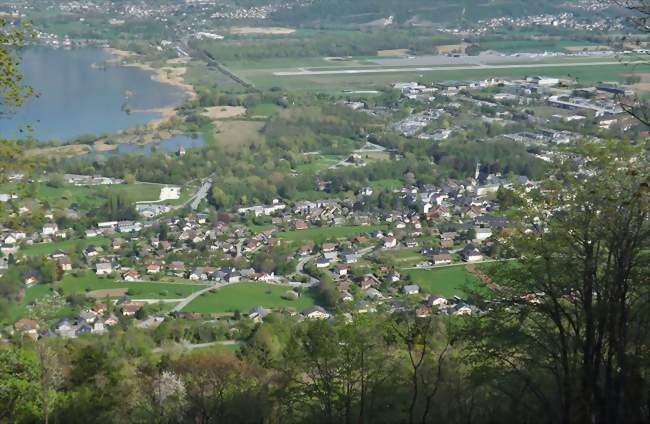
{"points": [[306, 72]]}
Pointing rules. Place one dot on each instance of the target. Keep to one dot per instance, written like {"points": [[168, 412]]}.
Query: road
{"points": [[194, 295], [189, 346], [300, 267], [358, 71], [459, 264], [240, 247], [201, 194]]}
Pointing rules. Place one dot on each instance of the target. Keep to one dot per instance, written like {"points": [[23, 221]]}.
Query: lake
{"points": [[78, 97]]}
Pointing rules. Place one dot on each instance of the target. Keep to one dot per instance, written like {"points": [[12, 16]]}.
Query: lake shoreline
{"points": [[169, 75]]}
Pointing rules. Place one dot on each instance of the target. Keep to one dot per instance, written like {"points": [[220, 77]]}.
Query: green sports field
{"points": [[44, 249], [319, 235], [146, 290], [445, 281], [245, 296]]}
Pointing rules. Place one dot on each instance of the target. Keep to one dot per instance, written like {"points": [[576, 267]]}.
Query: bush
{"points": [[290, 295]]}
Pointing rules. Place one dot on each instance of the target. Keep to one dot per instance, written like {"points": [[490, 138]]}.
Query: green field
{"points": [[319, 235], [263, 109], [318, 163], [445, 281], [245, 296], [84, 196], [531, 46], [147, 290], [387, 184], [44, 249], [338, 82], [18, 310]]}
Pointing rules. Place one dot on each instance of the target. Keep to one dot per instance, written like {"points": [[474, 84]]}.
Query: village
{"points": [[322, 257]]}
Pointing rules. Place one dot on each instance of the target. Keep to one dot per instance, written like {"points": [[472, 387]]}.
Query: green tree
{"points": [[19, 389], [570, 325], [13, 94]]}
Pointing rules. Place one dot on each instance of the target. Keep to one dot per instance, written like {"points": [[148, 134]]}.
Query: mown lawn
{"points": [[318, 163], [44, 249], [446, 281], [148, 290], [337, 83], [263, 109], [245, 296], [87, 197], [387, 184], [319, 235]]}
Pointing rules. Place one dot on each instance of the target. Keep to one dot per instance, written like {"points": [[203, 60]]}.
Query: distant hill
{"points": [[435, 11]]}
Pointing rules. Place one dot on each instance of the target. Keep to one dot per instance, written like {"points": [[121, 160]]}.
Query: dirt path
{"points": [[485, 279]]}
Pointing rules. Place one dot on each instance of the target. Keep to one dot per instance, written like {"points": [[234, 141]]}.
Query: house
{"points": [[373, 294], [462, 309], [233, 277], [411, 289], [483, 233], [130, 308], [31, 277], [446, 244], [117, 243], [65, 328], [99, 308], [153, 269], [258, 313], [442, 259], [301, 225], [83, 329], [346, 296], [315, 312], [422, 312], [131, 275], [368, 281], [177, 267], [198, 274], [50, 229], [28, 327], [390, 242], [103, 268], [471, 254], [128, 226], [170, 193], [331, 256], [328, 247], [350, 258], [341, 270], [92, 251], [411, 243], [9, 249], [87, 315], [98, 327], [305, 250], [437, 301], [65, 264], [322, 262], [111, 321]]}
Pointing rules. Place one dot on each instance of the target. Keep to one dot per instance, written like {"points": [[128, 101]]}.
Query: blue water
{"points": [[76, 99]]}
